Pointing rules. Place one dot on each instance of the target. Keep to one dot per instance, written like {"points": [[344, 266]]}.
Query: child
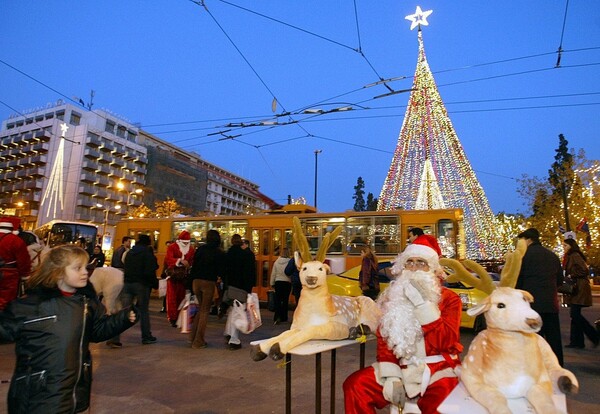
{"points": [[52, 327]]}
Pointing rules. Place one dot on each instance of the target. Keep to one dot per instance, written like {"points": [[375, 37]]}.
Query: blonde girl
{"points": [[52, 326]]}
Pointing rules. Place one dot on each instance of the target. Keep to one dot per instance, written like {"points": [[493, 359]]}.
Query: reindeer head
{"points": [[313, 273], [509, 309]]}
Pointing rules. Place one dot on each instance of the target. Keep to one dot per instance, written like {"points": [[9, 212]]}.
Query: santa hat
{"points": [[184, 235], [9, 224], [425, 247]]}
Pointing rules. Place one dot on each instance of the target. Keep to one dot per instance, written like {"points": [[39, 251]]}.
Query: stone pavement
{"points": [[170, 377]]}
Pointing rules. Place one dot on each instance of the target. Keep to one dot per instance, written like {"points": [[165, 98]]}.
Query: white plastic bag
{"points": [[162, 288], [253, 312], [188, 308]]}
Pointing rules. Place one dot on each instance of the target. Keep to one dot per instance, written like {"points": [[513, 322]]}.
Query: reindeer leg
{"points": [[260, 351], [541, 399]]}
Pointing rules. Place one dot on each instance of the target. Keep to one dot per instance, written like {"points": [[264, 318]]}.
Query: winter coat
{"points": [[53, 370], [240, 268], [209, 263], [541, 273], [577, 270], [278, 271], [140, 266]]}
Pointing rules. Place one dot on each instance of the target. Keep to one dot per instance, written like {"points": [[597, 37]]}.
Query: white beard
{"points": [[399, 326], [184, 249]]}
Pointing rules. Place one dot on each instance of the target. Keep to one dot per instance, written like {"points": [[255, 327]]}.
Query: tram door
{"points": [[267, 245]]}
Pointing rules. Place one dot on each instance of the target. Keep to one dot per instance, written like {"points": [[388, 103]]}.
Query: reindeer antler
{"points": [[328, 240], [512, 267], [300, 239], [483, 283]]}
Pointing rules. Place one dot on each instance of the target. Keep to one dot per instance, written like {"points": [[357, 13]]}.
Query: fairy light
{"points": [[428, 149]]}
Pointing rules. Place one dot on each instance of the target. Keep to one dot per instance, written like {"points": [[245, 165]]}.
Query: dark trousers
{"points": [[282, 298], [580, 326], [141, 293], [551, 333]]}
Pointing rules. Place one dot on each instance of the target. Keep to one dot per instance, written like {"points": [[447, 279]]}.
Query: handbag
{"points": [[177, 273], [271, 300], [234, 293], [569, 287]]}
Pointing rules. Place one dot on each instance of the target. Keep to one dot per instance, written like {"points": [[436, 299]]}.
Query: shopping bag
{"points": [[239, 317], [188, 308], [162, 288], [271, 300], [233, 293], [253, 312]]}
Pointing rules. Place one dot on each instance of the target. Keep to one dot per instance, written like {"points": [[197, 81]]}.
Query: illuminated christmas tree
{"points": [[430, 170]]}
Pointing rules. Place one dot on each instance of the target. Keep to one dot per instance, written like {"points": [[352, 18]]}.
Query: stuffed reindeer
{"points": [[509, 360], [319, 315]]}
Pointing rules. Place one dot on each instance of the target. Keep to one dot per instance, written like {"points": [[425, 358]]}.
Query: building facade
{"points": [[65, 162]]}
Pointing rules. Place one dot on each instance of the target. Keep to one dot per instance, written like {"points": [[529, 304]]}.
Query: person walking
{"points": [[209, 264], [180, 256], [139, 280], [369, 273], [117, 258], [541, 273], [17, 262], [282, 285], [53, 326], [97, 258], [576, 269], [240, 273], [294, 273]]}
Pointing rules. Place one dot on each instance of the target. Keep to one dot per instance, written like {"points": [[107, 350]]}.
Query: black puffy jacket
{"points": [[53, 371]]}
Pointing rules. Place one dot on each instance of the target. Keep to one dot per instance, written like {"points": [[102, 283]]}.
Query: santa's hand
{"points": [[393, 391], [413, 294], [427, 312]]}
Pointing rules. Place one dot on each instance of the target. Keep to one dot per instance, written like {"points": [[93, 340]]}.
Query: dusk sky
{"points": [[204, 79]]}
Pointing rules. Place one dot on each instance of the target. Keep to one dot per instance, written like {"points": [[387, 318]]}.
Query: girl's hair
{"points": [[53, 265], [574, 248], [370, 255]]}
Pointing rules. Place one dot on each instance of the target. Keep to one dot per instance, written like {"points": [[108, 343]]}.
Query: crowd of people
{"points": [[417, 354]]}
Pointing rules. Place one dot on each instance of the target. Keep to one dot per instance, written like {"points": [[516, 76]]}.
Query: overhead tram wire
{"points": [[562, 34]]}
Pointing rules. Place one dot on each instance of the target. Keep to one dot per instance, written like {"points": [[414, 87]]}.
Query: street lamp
{"points": [[317, 152], [106, 211]]}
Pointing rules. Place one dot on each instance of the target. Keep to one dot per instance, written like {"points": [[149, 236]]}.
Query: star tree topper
{"points": [[419, 18]]}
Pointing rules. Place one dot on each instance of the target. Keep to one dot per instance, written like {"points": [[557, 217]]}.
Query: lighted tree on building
{"points": [[429, 168]]}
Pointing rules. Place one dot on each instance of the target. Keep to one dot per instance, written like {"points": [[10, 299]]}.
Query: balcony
{"points": [[42, 135], [41, 147], [101, 193], [88, 177], [91, 153], [85, 202], [93, 141], [103, 169], [39, 160], [102, 181], [129, 154], [86, 189], [34, 184], [89, 165]]}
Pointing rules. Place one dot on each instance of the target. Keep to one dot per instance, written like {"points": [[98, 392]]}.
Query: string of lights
{"points": [[429, 167]]}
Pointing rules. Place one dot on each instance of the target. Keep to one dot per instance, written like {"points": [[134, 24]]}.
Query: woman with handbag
{"points": [[576, 268]]}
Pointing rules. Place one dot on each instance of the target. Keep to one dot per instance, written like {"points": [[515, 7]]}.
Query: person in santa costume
{"points": [[418, 340], [17, 262], [179, 254]]}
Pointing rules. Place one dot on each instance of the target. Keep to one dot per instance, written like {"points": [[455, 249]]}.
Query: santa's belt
{"points": [[429, 359]]}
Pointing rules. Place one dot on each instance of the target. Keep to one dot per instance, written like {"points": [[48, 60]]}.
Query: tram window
{"points": [[255, 242], [265, 276], [276, 242], [266, 239], [386, 235], [446, 237]]}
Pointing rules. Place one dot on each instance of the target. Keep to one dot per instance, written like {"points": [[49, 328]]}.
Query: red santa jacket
{"points": [[174, 254], [441, 337]]}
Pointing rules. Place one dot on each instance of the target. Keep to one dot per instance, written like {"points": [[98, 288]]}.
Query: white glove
{"points": [[393, 391], [413, 294]]}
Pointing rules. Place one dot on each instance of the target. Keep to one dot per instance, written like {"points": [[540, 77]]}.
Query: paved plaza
{"points": [[170, 377]]}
